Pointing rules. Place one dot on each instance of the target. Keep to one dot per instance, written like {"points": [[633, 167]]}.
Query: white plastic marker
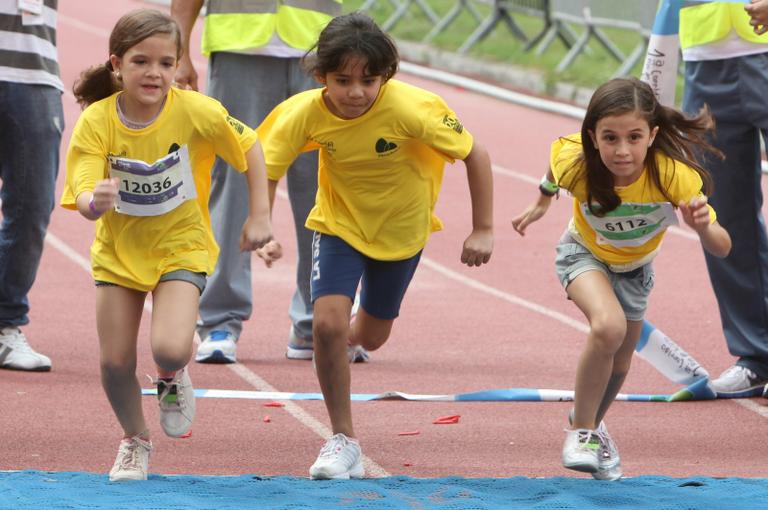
{"points": [[667, 357], [663, 56], [662, 59]]}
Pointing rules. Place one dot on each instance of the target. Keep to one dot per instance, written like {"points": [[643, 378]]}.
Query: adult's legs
{"points": [[740, 281], [32, 120], [302, 188], [227, 299]]}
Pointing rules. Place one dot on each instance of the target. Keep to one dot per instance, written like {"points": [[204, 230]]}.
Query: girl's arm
{"points": [[714, 238], [93, 205], [257, 229], [537, 209], [479, 245], [271, 251]]}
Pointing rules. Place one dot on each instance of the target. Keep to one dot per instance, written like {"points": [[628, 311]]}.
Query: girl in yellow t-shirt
{"points": [[382, 148], [630, 167], [139, 165]]}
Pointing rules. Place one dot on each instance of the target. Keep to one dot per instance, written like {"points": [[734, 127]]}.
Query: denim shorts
{"points": [[184, 275], [337, 268], [631, 288]]}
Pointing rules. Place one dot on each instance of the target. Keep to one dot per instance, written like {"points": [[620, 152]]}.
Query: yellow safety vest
{"points": [[711, 22], [242, 25]]}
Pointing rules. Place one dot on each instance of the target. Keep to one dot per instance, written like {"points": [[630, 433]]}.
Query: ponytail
{"points": [[96, 83]]}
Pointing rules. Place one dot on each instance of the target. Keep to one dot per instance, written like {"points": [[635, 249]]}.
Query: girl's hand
{"points": [[477, 248], [256, 233], [270, 252], [104, 195], [695, 213], [532, 213]]}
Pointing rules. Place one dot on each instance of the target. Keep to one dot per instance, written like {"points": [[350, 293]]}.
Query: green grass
{"points": [[589, 69]]}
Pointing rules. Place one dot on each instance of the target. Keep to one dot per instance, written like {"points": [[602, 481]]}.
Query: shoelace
{"points": [[130, 459], [167, 387], [608, 447], [334, 446], [585, 437]]}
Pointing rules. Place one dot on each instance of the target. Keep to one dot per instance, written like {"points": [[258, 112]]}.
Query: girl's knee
{"points": [[327, 330], [172, 356], [608, 333], [118, 369]]}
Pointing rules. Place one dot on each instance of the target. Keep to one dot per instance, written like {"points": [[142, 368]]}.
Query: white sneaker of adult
{"points": [[738, 380], [16, 353], [340, 458], [217, 347]]}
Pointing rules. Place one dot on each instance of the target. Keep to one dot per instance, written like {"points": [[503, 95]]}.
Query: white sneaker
{"points": [[177, 403], [608, 460], [580, 450], [738, 381], [132, 462], [298, 348], [340, 458], [16, 354], [217, 347], [358, 354]]}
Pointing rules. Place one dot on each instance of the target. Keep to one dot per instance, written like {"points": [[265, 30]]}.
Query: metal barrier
{"points": [[593, 16], [575, 23], [502, 10]]}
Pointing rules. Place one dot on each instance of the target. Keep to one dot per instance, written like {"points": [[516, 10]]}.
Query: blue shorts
{"points": [[337, 268], [631, 288]]}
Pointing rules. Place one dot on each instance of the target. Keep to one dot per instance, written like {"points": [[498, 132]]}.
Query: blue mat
{"points": [[24, 490]]}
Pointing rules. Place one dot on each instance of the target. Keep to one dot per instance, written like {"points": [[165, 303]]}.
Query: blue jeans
{"points": [[32, 121]]}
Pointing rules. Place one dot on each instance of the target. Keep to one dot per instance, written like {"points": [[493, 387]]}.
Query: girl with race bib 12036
{"points": [[383, 145], [139, 165], [628, 170]]}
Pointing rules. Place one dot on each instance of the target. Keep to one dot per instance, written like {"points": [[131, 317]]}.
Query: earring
{"points": [[117, 75]]}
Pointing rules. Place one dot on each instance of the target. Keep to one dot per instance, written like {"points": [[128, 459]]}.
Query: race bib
{"points": [[152, 190], [631, 224]]}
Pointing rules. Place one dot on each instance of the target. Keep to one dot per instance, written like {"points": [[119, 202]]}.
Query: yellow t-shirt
{"points": [[632, 233], [134, 251], [379, 174]]}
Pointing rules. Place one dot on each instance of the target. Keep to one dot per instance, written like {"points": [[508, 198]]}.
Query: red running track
{"points": [[460, 330]]}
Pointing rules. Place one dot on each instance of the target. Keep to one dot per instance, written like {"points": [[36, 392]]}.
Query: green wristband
{"points": [[548, 188]]}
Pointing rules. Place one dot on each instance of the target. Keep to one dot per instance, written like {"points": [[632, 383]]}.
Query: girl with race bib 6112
{"points": [[139, 165], [628, 170]]}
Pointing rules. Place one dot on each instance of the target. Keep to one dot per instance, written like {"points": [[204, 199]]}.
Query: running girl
{"points": [[628, 170], [383, 145], [139, 165]]}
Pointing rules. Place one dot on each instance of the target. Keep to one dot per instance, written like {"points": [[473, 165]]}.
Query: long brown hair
{"points": [[679, 137], [99, 81]]}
